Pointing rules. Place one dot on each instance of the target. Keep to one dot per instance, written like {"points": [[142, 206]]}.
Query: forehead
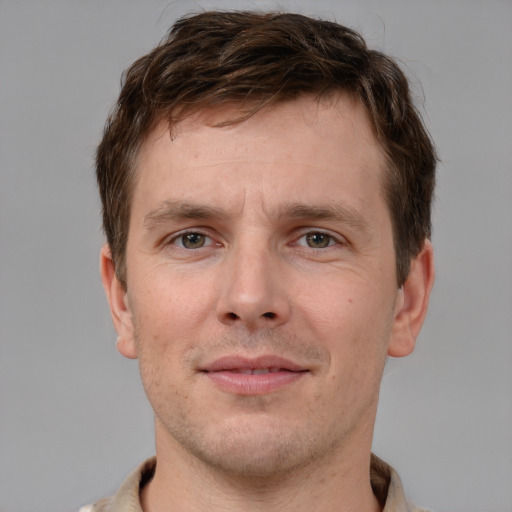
{"points": [[295, 146]]}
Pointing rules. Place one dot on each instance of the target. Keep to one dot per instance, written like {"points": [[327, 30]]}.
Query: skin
{"points": [[272, 238]]}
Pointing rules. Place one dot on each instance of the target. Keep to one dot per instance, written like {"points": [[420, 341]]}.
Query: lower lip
{"points": [[253, 384]]}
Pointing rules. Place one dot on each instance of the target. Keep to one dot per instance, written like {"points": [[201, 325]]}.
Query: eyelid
{"points": [[171, 240], [335, 237]]}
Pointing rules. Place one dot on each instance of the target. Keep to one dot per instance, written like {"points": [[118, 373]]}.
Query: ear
{"points": [[119, 306], [412, 303]]}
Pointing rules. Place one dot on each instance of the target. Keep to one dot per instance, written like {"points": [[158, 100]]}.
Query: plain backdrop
{"points": [[73, 416]]}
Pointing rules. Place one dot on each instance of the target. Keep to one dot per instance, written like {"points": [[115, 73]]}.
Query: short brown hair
{"points": [[258, 59]]}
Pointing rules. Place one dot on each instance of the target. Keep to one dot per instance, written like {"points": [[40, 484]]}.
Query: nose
{"points": [[252, 293]]}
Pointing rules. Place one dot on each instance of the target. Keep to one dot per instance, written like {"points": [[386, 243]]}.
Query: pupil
{"points": [[317, 240], [193, 240]]}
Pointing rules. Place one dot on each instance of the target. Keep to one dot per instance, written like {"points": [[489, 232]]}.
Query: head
{"points": [[266, 186], [258, 60]]}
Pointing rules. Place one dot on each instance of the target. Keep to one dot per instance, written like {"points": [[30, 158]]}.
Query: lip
{"points": [[234, 374]]}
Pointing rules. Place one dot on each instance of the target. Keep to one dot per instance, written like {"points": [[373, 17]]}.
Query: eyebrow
{"points": [[335, 212], [175, 211], [172, 211]]}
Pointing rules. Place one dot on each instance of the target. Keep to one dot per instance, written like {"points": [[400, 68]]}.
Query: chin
{"points": [[255, 449]]}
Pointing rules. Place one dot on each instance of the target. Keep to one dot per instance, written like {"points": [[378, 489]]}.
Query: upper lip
{"points": [[231, 363]]}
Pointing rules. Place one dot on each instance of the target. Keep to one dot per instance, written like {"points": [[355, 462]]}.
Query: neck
{"points": [[340, 484]]}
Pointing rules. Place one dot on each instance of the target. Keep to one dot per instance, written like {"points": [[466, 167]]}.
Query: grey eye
{"points": [[318, 240], [192, 240]]}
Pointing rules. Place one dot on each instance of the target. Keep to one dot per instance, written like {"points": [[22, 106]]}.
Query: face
{"points": [[261, 293]]}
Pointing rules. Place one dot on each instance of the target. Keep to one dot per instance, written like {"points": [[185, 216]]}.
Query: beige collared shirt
{"points": [[386, 485]]}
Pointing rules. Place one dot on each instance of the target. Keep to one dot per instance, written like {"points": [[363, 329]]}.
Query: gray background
{"points": [[73, 417]]}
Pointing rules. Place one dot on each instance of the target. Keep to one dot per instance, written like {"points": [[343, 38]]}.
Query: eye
{"points": [[316, 240], [192, 240]]}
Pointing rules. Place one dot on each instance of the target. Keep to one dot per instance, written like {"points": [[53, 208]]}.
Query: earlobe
{"points": [[119, 305], [412, 303]]}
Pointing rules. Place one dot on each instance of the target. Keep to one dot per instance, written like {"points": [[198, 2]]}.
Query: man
{"points": [[266, 186]]}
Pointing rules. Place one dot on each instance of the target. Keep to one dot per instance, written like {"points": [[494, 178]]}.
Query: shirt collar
{"points": [[386, 485]]}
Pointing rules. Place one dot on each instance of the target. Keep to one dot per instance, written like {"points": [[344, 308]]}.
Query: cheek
{"points": [[161, 345], [353, 320], [169, 303], [169, 317]]}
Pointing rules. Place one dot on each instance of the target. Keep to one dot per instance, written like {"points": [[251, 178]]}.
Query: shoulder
{"points": [[103, 505], [415, 508], [126, 499], [387, 487]]}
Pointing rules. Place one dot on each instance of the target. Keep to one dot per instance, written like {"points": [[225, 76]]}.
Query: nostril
{"points": [[231, 317]]}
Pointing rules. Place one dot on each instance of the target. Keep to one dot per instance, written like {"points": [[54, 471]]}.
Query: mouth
{"points": [[259, 376], [257, 371]]}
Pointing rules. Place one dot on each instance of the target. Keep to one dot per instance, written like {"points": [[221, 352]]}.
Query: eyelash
{"points": [[332, 239], [177, 240], [181, 236]]}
